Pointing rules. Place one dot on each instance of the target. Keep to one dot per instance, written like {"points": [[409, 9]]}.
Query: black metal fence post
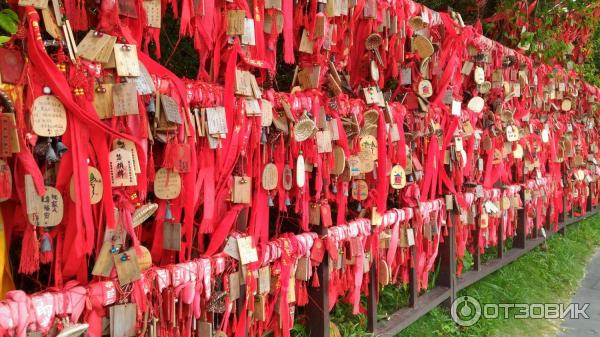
{"points": [[318, 299]]}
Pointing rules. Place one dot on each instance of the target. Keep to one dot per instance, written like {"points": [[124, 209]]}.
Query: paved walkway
{"points": [[588, 293]]}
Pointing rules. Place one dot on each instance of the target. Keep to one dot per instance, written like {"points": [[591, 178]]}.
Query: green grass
{"points": [[550, 276]]}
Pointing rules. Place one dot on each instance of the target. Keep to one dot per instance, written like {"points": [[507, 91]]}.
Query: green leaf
{"points": [[9, 22], [11, 14], [4, 39]]}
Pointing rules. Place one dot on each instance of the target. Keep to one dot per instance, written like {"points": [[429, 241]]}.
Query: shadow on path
{"points": [[589, 292]]}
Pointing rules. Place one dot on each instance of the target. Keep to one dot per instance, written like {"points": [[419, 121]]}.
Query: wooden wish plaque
{"points": [[172, 236], [122, 168], [48, 209], [6, 180], [48, 116], [270, 176], [125, 101], [95, 184], [128, 268], [167, 184], [126, 60]]}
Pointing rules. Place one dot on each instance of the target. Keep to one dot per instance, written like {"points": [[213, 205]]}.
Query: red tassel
{"points": [[315, 279], [301, 294], [82, 18], [46, 255], [5, 184], [30, 252]]}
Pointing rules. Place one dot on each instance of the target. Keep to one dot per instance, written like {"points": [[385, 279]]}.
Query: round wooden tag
{"points": [[144, 260], [48, 209], [96, 187], [368, 144], [566, 105], [48, 116], [476, 104], [545, 136], [512, 133], [287, 178], [479, 75], [580, 175], [370, 118], [269, 177], [354, 166], [6, 179], [422, 46], [398, 177], [384, 273], [374, 71], [360, 191], [366, 162], [167, 184], [339, 161], [485, 87], [425, 89], [518, 152], [483, 219]]}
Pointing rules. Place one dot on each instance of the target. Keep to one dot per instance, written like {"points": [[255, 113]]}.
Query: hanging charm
{"points": [[300, 170]]}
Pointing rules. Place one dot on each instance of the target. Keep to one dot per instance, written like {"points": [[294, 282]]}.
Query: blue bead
{"points": [[263, 137], [61, 148], [168, 214], [151, 107], [51, 155], [46, 245]]}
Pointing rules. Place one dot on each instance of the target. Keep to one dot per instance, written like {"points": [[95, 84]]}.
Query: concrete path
{"points": [[588, 293]]}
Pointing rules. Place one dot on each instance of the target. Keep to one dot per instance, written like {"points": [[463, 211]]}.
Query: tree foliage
{"points": [[566, 32], [9, 23], [554, 31]]}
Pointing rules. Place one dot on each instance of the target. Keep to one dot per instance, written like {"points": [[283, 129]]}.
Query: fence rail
{"points": [[447, 283]]}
